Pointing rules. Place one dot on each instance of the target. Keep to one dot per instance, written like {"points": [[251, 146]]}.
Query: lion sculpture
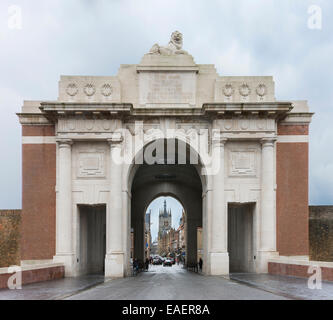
{"points": [[174, 47]]}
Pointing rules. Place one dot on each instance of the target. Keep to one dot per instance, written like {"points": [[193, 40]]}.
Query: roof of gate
{"points": [[167, 82]]}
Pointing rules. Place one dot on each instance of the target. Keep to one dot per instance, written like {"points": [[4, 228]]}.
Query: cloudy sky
{"points": [[241, 37]]}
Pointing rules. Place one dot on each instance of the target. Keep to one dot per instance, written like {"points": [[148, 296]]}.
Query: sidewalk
{"points": [[287, 286], [52, 290]]}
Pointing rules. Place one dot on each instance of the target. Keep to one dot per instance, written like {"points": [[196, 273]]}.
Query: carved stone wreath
{"points": [[228, 90], [261, 90], [89, 89], [72, 89], [244, 90], [106, 90]]}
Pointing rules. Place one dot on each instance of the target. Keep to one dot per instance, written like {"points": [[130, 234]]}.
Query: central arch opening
{"points": [[181, 182]]}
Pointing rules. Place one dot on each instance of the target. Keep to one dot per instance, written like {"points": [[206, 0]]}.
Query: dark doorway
{"points": [[92, 238], [240, 237]]}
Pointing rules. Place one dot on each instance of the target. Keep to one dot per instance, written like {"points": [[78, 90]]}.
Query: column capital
{"points": [[62, 142], [116, 139], [268, 142], [218, 139]]}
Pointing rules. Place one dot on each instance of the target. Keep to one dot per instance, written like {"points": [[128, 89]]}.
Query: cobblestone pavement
{"points": [[172, 283]]}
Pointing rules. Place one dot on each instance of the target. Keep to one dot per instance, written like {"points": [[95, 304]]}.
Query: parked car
{"points": [[167, 263], [157, 261]]}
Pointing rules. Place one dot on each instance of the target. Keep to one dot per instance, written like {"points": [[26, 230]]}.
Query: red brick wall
{"points": [[297, 270], [292, 195], [38, 198], [38, 130], [293, 130]]}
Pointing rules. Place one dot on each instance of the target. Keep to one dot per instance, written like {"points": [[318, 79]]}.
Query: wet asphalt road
{"points": [[172, 283]]}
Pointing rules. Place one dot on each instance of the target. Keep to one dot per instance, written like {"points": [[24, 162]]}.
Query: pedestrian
{"points": [[200, 264], [135, 267], [147, 264]]}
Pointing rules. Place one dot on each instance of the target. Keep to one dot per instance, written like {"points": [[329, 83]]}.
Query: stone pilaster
{"points": [[114, 260], [219, 258], [268, 208], [64, 215]]}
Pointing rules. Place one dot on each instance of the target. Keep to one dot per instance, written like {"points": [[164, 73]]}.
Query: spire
{"points": [[164, 211]]}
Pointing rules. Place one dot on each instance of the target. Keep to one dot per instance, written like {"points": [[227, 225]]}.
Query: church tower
{"points": [[165, 221]]}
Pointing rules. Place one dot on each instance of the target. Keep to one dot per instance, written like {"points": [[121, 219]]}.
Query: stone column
{"points": [[206, 207], [114, 260], [139, 231], [191, 245], [268, 210], [64, 215], [219, 258], [127, 232]]}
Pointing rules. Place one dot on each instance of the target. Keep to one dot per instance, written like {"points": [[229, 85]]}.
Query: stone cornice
{"points": [[267, 109], [297, 118], [85, 107], [54, 110], [33, 119], [140, 68], [50, 111], [167, 111]]}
